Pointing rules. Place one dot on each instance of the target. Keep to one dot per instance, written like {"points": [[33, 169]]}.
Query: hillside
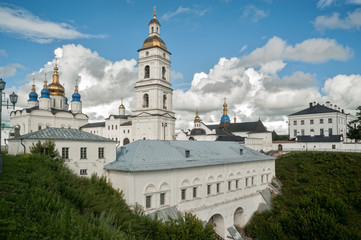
{"points": [[41, 199], [321, 198]]}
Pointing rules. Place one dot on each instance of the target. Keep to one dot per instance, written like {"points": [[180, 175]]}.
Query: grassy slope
{"points": [[321, 198]]}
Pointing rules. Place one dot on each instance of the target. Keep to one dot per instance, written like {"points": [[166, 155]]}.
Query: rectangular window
{"points": [[148, 201], [295, 133], [195, 192], [321, 121], [333, 146], [65, 152], [218, 187], [330, 120], [302, 122], [162, 199], [101, 153], [261, 178], [294, 122], [237, 181], [312, 130], [83, 172], [83, 153], [183, 194], [253, 181], [209, 189], [311, 121], [321, 131], [246, 181], [123, 131], [302, 132], [229, 185], [330, 132]]}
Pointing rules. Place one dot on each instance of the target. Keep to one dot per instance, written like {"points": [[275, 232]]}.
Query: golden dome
{"points": [[55, 87], [121, 106], [154, 41]]}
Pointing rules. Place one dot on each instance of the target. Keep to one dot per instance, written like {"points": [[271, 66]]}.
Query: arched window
{"points": [[152, 29], [164, 101], [145, 100], [39, 127], [125, 141], [146, 72], [163, 73], [157, 30]]}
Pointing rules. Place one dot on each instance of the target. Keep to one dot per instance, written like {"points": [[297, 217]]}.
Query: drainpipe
{"points": [[21, 141]]}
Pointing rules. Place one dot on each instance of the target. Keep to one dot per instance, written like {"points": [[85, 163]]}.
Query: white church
{"points": [[222, 183]]}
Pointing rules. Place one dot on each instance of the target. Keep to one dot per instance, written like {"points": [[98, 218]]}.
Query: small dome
{"points": [[154, 41], [225, 118], [56, 89], [33, 96], [154, 20], [121, 106], [45, 93], [76, 97]]}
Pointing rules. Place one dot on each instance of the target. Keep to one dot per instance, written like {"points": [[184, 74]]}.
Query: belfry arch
{"points": [[217, 222]]}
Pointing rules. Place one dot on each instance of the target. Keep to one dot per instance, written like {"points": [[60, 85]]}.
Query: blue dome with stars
{"points": [[45, 93], [33, 96], [76, 97], [225, 118]]}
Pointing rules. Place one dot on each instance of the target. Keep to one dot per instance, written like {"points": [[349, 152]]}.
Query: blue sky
{"points": [[268, 57]]}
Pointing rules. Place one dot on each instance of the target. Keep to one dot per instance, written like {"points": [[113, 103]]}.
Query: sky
{"points": [[268, 58]]}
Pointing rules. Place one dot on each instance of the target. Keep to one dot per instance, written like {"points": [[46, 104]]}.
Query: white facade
{"points": [[223, 193], [319, 120], [83, 157]]}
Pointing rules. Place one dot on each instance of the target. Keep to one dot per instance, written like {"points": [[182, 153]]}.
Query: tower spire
{"points": [[197, 118], [33, 86], [154, 14], [76, 86], [45, 83], [225, 107], [55, 74]]}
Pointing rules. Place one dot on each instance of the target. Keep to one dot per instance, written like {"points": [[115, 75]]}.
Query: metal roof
{"points": [[315, 109], [241, 127], [153, 155], [63, 134], [91, 125]]}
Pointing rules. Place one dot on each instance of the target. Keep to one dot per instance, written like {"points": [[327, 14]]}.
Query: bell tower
{"points": [[153, 117]]}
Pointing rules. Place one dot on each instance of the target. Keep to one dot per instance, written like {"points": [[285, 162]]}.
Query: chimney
{"points": [[335, 106], [343, 111], [328, 104], [310, 104]]}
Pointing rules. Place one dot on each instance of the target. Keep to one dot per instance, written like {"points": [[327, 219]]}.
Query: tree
{"points": [[47, 148], [354, 127]]}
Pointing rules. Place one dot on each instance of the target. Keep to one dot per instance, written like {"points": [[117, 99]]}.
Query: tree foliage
{"points": [[46, 148], [354, 127]]}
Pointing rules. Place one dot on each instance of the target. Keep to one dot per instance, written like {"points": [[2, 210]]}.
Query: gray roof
{"points": [[315, 109], [152, 155], [239, 127], [91, 125], [319, 138], [63, 134]]}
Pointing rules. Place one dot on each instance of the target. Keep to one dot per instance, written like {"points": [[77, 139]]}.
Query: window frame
{"points": [[65, 151], [83, 153], [100, 152]]}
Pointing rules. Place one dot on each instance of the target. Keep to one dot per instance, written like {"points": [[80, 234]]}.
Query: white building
{"points": [[50, 110], [153, 116], [220, 182], [319, 123], [251, 134], [84, 153]]}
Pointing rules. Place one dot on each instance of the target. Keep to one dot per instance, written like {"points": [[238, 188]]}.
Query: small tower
{"points": [[121, 108], [33, 97], [225, 120], [57, 91], [197, 120], [76, 104], [45, 101]]}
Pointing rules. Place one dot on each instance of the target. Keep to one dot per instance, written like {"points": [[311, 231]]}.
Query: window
{"points": [[164, 101], [333, 146], [195, 192], [311, 121], [145, 100], [125, 141], [294, 122], [321, 131], [183, 194], [108, 127], [209, 189], [302, 122], [123, 131], [246, 181], [146, 72], [128, 130], [101, 153], [237, 181], [148, 201], [252, 181], [65, 152], [330, 120], [262, 178], [162, 199], [83, 172], [330, 132], [321, 121], [39, 127], [302, 132], [112, 127], [229, 185], [163, 73], [312, 130], [187, 153], [218, 187], [295, 133], [83, 153], [116, 127]]}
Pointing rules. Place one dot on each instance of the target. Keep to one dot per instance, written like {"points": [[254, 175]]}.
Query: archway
{"points": [[217, 222], [238, 217], [125, 141]]}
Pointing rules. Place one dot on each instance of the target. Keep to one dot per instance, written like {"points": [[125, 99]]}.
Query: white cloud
{"points": [[175, 75], [24, 23], [254, 13], [3, 53], [325, 3], [316, 50], [10, 69], [351, 21], [244, 47], [180, 10]]}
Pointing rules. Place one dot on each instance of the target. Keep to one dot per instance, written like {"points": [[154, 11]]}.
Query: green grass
{"points": [[321, 198], [41, 199]]}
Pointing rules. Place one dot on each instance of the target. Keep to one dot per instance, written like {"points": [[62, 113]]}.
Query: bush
{"points": [[46, 148]]}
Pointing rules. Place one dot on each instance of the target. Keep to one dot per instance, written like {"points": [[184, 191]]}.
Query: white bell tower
{"points": [[153, 117]]}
